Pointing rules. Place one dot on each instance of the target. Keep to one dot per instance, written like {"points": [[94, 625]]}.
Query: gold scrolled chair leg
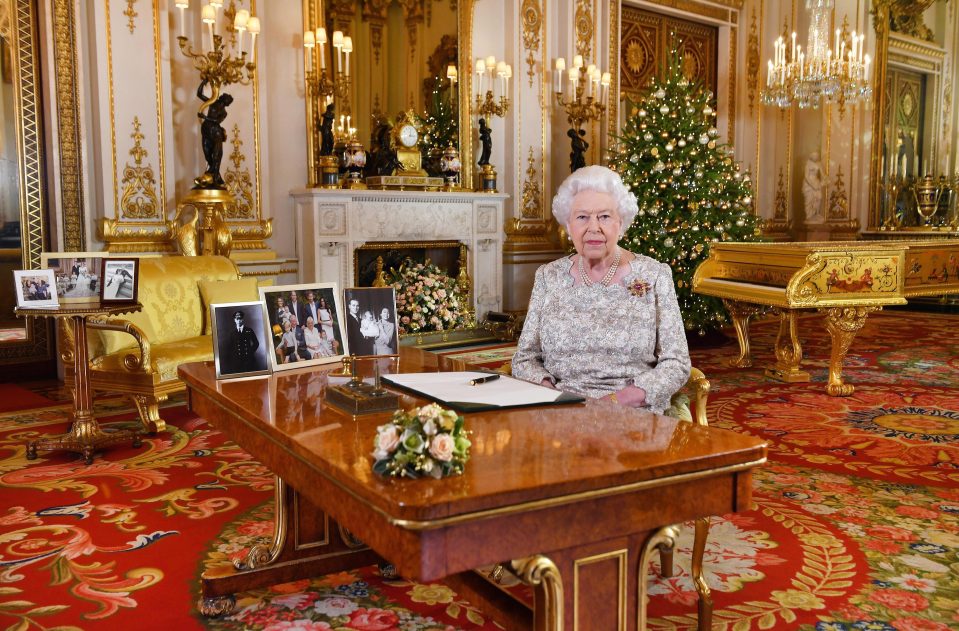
{"points": [[740, 312], [788, 351], [542, 574], [261, 555], [149, 409], [699, 580], [843, 323], [664, 537]]}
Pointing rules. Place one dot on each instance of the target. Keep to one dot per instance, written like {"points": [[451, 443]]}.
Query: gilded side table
{"points": [[85, 434]]}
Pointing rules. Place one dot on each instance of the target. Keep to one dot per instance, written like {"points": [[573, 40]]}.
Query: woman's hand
{"points": [[630, 396]]}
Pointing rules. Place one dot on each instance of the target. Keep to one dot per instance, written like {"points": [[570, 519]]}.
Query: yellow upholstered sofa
{"points": [[138, 353]]}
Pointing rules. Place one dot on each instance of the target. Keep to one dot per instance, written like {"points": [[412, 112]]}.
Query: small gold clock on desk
{"points": [[410, 175]]}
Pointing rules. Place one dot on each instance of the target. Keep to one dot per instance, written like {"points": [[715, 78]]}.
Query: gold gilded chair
{"points": [[137, 354]]}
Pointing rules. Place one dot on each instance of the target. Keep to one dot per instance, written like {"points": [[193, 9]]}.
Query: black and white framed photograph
{"points": [[241, 344], [371, 320], [35, 288], [305, 324], [119, 280], [77, 275]]}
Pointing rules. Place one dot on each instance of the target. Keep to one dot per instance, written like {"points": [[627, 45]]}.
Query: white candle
{"points": [[347, 49], [309, 42], [560, 68], [574, 81], [182, 5], [509, 75], [253, 26], [578, 61], [208, 17], [792, 55], [338, 45], [480, 70], [769, 76], [321, 40], [605, 81], [837, 41]]}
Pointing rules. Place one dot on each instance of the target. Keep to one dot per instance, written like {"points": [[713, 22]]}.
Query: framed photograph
{"points": [[35, 288], [305, 324], [371, 320], [77, 274], [240, 340], [119, 281]]}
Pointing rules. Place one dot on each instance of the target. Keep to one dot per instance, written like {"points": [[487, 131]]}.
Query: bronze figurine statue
{"points": [[326, 131], [213, 136], [486, 139], [579, 146]]}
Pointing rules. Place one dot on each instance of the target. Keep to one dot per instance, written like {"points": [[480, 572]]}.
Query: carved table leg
{"points": [[305, 543], [740, 312], [543, 575], [788, 351], [149, 410], [843, 323], [705, 596], [661, 539]]}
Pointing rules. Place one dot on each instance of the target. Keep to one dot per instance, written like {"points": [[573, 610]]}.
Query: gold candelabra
{"points": [[588, 92], [217, 66], [491, 74]]}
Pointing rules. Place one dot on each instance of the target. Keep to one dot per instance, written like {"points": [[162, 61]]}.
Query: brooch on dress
{"points": [[639, 288]]}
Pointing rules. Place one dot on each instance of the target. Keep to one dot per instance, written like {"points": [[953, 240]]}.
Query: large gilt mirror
{"points": [[402, 51], [912, 190], [24, 345]]}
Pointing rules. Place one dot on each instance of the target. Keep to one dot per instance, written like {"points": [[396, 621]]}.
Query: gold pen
{"points": [[487, 379]]}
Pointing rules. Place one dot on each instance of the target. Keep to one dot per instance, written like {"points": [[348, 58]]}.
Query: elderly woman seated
{"points": [[603, 322]]}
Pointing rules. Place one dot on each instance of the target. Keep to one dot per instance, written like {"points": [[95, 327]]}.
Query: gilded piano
{"points": [[843, 280]]}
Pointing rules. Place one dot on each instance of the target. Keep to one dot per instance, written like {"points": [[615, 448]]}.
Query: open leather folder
{"points": [[455, 389]]}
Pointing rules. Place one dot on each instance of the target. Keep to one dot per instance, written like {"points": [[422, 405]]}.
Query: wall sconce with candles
{"points": [[488, 70], [219, 66], [587, 100]]}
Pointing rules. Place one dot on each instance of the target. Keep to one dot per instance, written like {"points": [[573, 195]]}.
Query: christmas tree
{"points": [[690, 192], [441, 126]]}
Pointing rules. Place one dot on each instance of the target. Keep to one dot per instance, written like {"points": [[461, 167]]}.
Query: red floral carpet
{"points": [[855, 522]]}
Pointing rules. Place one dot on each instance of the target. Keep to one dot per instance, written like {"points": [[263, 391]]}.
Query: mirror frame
{"points": [[38, 346], [313, 12]]}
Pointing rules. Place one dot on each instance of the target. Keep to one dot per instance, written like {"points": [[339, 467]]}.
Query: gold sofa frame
{"points": [[135, 369]]}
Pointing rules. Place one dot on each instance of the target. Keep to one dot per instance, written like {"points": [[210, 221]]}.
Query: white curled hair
{"points": [[602, 180]]}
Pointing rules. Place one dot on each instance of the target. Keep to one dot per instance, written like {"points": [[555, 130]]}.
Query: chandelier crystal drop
{"points": [[819, 73]]}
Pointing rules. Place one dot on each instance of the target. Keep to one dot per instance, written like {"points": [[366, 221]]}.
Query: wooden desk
{"points": [[575, 494], [85, 435]]}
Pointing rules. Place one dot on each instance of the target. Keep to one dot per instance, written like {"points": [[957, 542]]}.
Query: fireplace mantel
{"points": [[331, 224]]}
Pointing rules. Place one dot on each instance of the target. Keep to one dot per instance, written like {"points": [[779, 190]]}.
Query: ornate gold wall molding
{"points": [[139, 199], [6, 20], [532, 204], [68, 124], [532, 26], [583, 21], [131, 13], [752, 63], [239, 182]]}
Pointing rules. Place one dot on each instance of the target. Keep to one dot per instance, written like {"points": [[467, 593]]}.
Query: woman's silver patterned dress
{"points": [[597, 340]]}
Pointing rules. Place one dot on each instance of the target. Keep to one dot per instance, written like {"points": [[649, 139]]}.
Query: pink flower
{"points": [[891, 532], [900, 599], [256, 528], [387, 439], [916, 511], [441, 447], [372, 620], [880, 545]]}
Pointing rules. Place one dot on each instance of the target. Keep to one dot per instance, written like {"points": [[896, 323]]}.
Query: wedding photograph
{"points": [[77, 275], [240, 344], [119, 283], [305, 324], [371, 320]]}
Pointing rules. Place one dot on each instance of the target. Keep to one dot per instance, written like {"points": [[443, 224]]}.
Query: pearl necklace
{"points": [[608, 278]]}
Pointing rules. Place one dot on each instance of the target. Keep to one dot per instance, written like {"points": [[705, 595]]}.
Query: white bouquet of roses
{"points": [[426, 441], [427, 299]]}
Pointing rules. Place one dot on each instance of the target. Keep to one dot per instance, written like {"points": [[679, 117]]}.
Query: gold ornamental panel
{"points": [[866, 277]]}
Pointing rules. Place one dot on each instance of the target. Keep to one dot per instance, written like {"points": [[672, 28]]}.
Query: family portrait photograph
{"points": [[371, 320], [77, 275], [305, 323], [35, 288], [240, 342], [119, 282]]}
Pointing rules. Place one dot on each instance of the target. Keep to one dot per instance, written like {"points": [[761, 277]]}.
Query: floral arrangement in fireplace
{"points": [[425, 441], [427, 299]]}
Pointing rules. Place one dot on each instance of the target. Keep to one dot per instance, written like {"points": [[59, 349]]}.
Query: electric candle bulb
{"points": [[338, 45], [216, 4], [253, 26], [451, 73], [308, 40], [240, 19], [578, 61], [321, 40], [182, 5], [347, 49], [208, 17], [560, 68]]}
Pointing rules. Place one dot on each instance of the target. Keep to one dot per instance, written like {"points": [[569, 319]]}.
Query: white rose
{"points": [[429, 427], [441, 447]]}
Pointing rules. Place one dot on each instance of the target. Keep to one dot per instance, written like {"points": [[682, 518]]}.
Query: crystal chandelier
{"points": [[818, 73]]}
